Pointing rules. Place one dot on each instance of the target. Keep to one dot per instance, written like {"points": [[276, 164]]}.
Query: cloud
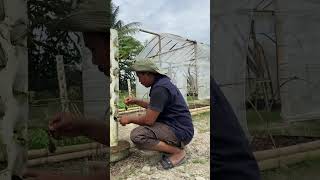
{"points": [[187, 18]]}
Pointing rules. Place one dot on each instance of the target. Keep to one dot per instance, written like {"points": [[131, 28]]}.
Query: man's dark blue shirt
{"points": [[231, 156]]}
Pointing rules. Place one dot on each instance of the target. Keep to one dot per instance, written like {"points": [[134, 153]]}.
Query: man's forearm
{"points": [[139, 120], [142, 103], [97, 130]]}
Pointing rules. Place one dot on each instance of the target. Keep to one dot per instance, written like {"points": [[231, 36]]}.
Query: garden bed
{"points": [[264, 142]]}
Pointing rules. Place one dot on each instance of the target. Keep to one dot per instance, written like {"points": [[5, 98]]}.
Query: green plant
{"points": [[200, 161], [38, 139]]}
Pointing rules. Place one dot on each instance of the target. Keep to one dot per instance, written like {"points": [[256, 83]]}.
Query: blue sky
{"points": [[187, 18]]}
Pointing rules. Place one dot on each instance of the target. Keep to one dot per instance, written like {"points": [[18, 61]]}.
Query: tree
{"points": [[129, 48], [122, 28], [44, 44]]}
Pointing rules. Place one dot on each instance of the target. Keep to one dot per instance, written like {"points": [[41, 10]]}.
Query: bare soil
{"points": [[265, 142]]}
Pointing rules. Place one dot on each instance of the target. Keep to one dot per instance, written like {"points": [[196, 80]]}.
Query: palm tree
{"points": [[123, 29]]}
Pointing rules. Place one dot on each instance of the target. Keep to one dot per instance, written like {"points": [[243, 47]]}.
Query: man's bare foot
{"points": [[177, 157]]}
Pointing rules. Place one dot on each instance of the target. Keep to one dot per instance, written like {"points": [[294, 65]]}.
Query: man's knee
{"points": [[137, 135], [142, 137]]}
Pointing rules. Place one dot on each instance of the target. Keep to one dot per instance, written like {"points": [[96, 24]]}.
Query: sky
{"points": [[187, 18]]}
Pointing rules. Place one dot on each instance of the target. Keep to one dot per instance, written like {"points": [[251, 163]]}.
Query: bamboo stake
{"points": [[288, 160], [129, 87], [199, 109], [42, 156], [32, 154], [266, 164], [129, 109], [137, 110], [199, 112], [63, 157], [274, 153]]}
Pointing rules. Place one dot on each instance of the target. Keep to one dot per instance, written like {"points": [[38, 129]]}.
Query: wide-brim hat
{"points": [[88, 16], [147, 65]]}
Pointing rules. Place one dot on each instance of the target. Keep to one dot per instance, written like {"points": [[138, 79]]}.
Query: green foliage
{"points": [[122, 95], [122, 28], [129, 48], [121, 105], [44, 44], [38, 139]]}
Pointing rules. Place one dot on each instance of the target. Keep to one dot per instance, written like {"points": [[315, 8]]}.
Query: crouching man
{"points": [[167, 125]]}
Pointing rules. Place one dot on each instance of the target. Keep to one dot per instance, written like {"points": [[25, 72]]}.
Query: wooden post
{"points": [[129, 87], [62, 84]]}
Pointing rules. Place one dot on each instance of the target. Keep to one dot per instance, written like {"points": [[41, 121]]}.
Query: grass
{"points": [[202, 121], [200, 161]]}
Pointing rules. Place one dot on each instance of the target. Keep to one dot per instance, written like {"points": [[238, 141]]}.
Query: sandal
{"points": [[167, 164], [164, 155]]}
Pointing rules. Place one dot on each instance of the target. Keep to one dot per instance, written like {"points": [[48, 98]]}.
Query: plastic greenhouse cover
{"points": [[299, 67], [177, 55]]}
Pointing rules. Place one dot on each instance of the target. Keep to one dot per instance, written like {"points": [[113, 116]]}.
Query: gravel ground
{"points": [[144, 165]]}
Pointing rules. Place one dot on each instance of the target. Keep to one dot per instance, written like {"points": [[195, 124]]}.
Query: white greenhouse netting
{"points": [[185, 61], [231, 33], [288, 36], [203, 64], [298, 36]]}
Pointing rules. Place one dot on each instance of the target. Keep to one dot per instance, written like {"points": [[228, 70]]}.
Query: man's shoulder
{"points": [[159, 90]]}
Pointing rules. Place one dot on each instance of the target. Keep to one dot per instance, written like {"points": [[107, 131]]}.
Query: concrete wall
{"points": [[95, 88], [14, 88]]}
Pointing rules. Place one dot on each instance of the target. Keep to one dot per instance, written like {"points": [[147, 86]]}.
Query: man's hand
{"points": [[130, 100], [66, 124], [124, 120]]}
